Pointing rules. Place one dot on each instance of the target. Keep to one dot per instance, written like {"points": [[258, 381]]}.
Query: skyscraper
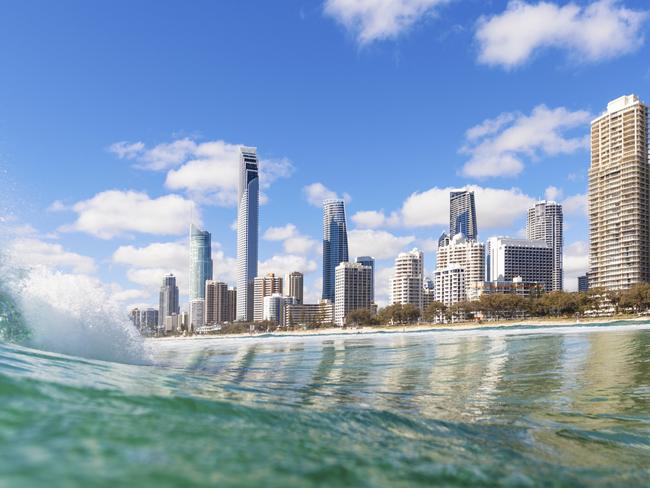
{"points": [[200, 262], [370, 262], [469, 255], [407, 285], [352, 290], [216, 302], [619, 194], [294, 286], [335, 244], [264, 286], [247, 231], [168, 299], [462, 214], [545, 222], [507, 259]]}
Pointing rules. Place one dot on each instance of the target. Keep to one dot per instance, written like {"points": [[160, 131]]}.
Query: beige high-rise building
{"points": [[353, 288], [466, 254], [264, 286], [408, 281], [619, 196], [294, 285]]}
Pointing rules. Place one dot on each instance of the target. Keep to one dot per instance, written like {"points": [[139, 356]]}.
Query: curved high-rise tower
{"points": [[335, 243], [200, 261], [247, 231]]}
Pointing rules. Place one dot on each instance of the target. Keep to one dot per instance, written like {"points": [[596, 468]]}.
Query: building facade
{"points": [[274, 307], [583, 283], [370, 262], [216, 303], [232, 305], [450, 285], [335, 244], [352, 290], [462, 214], [200, 261], [264, 286], [247, 231], [507, 259], [294, 285], [468, 254], [309, 314], [169, 299], [197, 314], [619, 192], [407, 285], [515, 287], [545, 222]]}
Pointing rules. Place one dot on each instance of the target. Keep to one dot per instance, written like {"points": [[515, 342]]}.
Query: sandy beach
{"points": [[425, 327]]}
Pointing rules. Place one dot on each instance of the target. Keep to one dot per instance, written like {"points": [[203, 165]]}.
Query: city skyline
{"points": [[112, 199]]}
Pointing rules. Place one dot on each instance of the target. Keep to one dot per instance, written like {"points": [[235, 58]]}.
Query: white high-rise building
{"points": [[353, 281], [407, 284], [507, 259], [545, 222], [247, 231], [274, 307], [370, 262], [264, 286], [197, 313], [450, 285], [619, 196], [468, 254]]}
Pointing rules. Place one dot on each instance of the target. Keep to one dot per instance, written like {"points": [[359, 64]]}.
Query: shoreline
{"points": [[531, 323]]}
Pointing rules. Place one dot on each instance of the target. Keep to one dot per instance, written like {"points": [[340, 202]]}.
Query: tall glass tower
{"points": [[200, 261], [335, 244], [168, 299], [462, 214], [247, 231]]}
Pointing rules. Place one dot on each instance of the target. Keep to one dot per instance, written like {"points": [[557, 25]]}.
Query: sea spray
{"points": [[67, 313]]}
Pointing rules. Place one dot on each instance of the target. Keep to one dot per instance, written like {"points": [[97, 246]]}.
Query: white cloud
{"points": [[372, 219], [280, 233], [284, 264], [576, 205], [208, 171], [294, 241], [316, 193], [377, 243], [373, 20], [126, 150], [57, 206], [383, 277], [496, 146], [553, 193], [495, 207], [600, 30], [576, 263], [33, 252], [112, 213]]}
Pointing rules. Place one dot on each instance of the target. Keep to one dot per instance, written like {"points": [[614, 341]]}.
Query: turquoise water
{"points": [[560, 407]]}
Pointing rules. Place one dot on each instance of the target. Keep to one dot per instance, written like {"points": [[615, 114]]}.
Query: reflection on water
{"points": [[569, 403]]}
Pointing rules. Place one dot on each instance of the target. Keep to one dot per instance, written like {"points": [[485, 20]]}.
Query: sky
{"points": [[120, 122]]}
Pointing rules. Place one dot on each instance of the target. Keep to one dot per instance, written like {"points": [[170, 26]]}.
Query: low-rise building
{"points": [[309, 314]]}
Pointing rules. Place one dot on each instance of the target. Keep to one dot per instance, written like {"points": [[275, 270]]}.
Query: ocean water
{"points": [[508, 407]]}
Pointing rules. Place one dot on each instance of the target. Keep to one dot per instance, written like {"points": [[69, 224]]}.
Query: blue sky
{"points": [[117, 118]]}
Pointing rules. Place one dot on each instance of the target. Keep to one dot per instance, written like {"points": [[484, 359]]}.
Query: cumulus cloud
{"points": [[383, 277], [113, 213], [33, 252], [287, 263], [598, 31], [146, 266], [208, 171], [495, 207], [576, 263], [553, 193], [373, 20], [316, 193], [373, 219], [377, 243], [496, 146], [576, 205], [293, 241]]}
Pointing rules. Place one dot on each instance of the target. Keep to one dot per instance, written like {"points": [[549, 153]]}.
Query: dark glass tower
{"points": [[335, 244]]}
